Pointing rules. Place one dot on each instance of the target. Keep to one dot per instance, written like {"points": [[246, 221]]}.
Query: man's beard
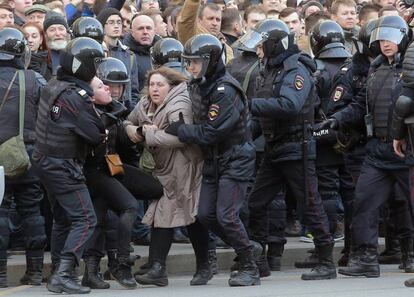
{"points": [[57, 44]]}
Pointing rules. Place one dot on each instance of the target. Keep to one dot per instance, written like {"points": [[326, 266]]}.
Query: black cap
{"points": [[54, 18], [104, 15]]}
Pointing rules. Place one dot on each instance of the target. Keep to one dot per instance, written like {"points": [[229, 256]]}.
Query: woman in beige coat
{"points": [[178, 168]]}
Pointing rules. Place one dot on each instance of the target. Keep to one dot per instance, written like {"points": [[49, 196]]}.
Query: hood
{"points": [[306, 60]]}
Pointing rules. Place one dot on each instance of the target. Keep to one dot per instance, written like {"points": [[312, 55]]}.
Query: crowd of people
{"points": [[220, 123]]}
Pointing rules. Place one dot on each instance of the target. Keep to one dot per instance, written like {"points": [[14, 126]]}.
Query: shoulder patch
{"points": [[82, 92], [55, 111], [213, 112], [339, 91], [299, 82]]}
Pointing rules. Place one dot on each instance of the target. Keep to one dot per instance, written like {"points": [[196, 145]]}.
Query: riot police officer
{"points": [[327, 42], [382, 169], [88, 27], [347, 83], [221, 128], [285, 104], [67, 127], [25, 189]]}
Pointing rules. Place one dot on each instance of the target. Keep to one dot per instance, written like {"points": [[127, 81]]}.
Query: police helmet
{"points": [[207, 48], [327, 40], [167, 52], [81, 57], [362, 42], [88, 27], [13, 44], [391, 28], [112, 71], [273, 34]]}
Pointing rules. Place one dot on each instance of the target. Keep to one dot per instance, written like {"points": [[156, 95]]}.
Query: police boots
{"points": [[122, 272], [407, 255], [3, 273], [262, 264], [363, 262], [203, 273], [156, 275], [274, 256], [392, 252], [61, 280], [91, 277], [34, 270], [325, 269], [247, 273]]}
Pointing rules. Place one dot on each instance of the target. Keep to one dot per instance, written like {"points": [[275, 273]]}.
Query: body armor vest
{"points": [[268, 85], [381, 94], [53, 139]]}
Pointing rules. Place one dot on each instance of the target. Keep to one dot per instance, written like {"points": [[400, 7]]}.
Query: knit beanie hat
{"points": [[104, 15], [54, 18]]}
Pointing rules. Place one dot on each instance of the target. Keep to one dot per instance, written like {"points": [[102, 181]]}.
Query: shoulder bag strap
{"points": [[8, 91], [248, 75], [22, 95]]}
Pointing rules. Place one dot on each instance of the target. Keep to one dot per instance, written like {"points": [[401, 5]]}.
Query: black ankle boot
{"points": [[274, 256], [203, 274], [157, 275], [61, 280], [122, 273], [91, 277], [34, 270], [392, 252], [261, 262], [363, 262], [3, 273], [407, 255], [325, 269], [247, 273]]}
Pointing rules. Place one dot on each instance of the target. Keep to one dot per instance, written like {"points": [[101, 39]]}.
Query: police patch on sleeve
{"points": [[55, 111], [299, 82], [339, 91], [213, 112]]}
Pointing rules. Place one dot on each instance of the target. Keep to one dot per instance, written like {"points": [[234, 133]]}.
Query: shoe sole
{"points": [[61, 290], [201, 284], [255, 282], [318, 277], [163, 283], [367, 275], [124, 285]]}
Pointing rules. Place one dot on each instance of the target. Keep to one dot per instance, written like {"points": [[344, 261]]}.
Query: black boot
{"points": [[61, 280], [310, 262], [91, 277], [392, 252], [363, 262], [274, 256], [212, 259], [407, 255], [325, 269], [3, 273], [122, 273], [112, 263], [248, 273], [261, 262], [34, 270], [203, 274], [157, 275], [143, 269]]}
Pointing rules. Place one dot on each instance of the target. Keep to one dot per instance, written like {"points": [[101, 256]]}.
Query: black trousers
{"points": [[27, 193], [119, 194], [270, 182], [219, 210], [375, 187]]}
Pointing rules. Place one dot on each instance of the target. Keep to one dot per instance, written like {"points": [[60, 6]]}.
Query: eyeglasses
{"points": [[113, 22]]}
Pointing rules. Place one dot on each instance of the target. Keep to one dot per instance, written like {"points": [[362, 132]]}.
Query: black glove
{"points": [[329, 123], [173, 127]]}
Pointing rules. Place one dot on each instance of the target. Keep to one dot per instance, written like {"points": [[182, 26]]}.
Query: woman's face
{"points": [[33, 37], [158, 88]]}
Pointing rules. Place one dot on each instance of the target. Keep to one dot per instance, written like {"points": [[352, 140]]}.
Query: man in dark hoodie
{"points": [[139, 41], [285, 103]]}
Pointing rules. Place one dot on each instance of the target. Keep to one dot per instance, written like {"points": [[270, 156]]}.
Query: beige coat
{"points": [[178, 165]]}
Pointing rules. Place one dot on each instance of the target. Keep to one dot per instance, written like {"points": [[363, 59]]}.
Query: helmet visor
{"points": [[252, 39], [195, 65], [394, 35]]}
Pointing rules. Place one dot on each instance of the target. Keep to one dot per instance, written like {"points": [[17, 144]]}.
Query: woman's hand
{"points": [[133, 135]]}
